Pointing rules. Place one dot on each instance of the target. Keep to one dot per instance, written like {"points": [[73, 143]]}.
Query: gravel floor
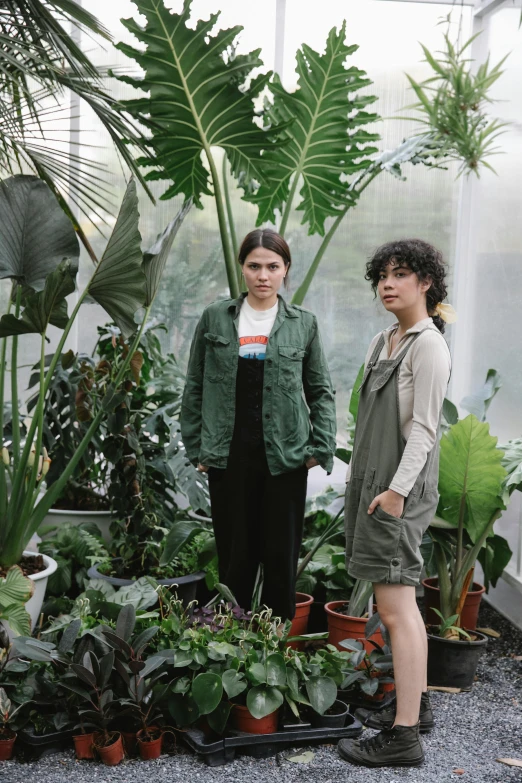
{"points": [[473, 730]]}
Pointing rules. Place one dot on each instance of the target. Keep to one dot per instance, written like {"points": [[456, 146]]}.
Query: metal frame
{"points": [[280, 20]]}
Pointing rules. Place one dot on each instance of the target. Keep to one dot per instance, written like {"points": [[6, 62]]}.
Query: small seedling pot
{"points": [[6, 746], [150, 747], [111, 754], [334, 718], [84, 746]]}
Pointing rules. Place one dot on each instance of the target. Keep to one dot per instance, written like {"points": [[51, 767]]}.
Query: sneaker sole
{"points": [[360, 763]]}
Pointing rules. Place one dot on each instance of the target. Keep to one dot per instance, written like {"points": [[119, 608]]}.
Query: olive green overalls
{"points": [[379, 547]]}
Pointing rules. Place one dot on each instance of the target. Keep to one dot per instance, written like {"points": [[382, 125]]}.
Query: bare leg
{"points": [[399, 612]]}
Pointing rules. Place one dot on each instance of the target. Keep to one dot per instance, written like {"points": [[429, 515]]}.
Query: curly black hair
{"points": [[423, 259]]}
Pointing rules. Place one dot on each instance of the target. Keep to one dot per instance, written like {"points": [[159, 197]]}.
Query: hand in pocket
{"points": [[390, 502]]}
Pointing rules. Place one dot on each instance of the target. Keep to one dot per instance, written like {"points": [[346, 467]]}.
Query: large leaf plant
{"points": [[40, 257]]}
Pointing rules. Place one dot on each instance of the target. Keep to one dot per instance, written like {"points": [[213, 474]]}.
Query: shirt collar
{"points": [[418, 327], [288, 310]]}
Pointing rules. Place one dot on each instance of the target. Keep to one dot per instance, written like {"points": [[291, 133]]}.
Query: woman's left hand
{"points": [[311, 463], [389, 501]]}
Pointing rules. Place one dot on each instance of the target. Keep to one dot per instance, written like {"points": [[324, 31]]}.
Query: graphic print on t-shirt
{"points": [[253, 347]]}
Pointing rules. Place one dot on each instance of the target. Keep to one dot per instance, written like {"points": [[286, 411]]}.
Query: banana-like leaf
{"points": [[181, 533], [470, 476], [35, 234], [119, 283], [197, 98], [325, 141], [155, 259], [479, 402], [43, 307]]}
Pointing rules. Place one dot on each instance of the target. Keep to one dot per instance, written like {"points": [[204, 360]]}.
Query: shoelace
{"points": [[376, 743]]}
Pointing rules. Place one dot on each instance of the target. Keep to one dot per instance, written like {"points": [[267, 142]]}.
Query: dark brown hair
{"points": [[423, 259], [269, 239]]}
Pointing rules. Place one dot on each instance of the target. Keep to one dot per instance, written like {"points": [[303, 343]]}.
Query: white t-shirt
{"points": [[254, 330]]}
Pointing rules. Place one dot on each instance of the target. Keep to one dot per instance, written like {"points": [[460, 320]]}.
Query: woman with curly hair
{"points": [[392, 493]]}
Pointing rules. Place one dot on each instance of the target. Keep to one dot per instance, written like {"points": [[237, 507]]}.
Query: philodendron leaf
{"points": [[207, 691], [263, 700], [198, 98], [470, 475], [43, 307], [118, 283], [479, 402], [155, 259], [181, 533], [35, 234], [15, 587], [322, 692], [325, 140]]}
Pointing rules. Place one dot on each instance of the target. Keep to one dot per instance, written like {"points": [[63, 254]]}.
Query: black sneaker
{"points": [[384, 718], [397, 747]]}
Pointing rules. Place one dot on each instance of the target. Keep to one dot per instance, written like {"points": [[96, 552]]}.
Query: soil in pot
{"points": [[84, 746], [150, 742], [30, 564], [341, 626], [303, 603], [452, 663], [333, 718], [111, 753], [243, 720], [7, 741], [470, 610]]}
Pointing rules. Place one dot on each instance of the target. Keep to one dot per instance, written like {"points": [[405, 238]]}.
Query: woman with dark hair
{"points": [[258, 412], [392, 493]]}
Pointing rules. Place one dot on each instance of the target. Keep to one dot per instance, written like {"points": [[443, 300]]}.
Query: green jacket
{"points": [[294, 430]]}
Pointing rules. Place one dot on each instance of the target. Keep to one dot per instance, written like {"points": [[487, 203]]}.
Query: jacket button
{"points": [[395, 562], [269, 388], [268, 445], [267, 415], [269, 361]]}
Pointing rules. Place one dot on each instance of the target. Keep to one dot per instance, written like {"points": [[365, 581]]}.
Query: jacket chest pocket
{"points": [[216, 356], [291, 367]]}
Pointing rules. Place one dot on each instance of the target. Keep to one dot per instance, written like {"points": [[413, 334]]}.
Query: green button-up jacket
{"points": [[298, 399]]}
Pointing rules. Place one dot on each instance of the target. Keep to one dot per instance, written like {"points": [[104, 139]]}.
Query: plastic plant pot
{"points": [[6, 746], [452, 663], [470, 610], [341, 626], [84, 746], [303, 603], [150, 748], [112, 754], [334, 718], [243, 720]]}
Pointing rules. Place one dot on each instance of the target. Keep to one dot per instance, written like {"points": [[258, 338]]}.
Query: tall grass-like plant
{"points": [[39, 252]]}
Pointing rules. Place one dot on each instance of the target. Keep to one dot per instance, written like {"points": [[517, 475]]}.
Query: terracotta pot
{"points": [[470, 611], [111, 754], [341, 627], [150, 748], [130, 743], [243, 720], [6, 746], [84, 746], [303, 603]]}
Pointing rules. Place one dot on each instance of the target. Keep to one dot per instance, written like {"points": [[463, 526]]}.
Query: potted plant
{"points": [[348, 620], [15, 592], [474, 489], [8, 725], [122, 282]]}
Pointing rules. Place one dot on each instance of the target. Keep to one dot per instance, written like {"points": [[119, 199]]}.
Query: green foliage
{"points": [[452, 104], [75, 549], [15, 590], [447, 627], [324, 139]]}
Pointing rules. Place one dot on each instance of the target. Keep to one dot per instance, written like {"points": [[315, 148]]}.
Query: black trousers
{"points": [[258, 518]]}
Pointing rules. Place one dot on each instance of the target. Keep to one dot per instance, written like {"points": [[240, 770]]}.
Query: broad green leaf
{"points": [[233, 683], [35, 234], [257, 673], [263, 700], [512, 461], [217, 720], [324, 141], [494, 557], [18, 618], [198, 98], [207, 690], [322, 692], [118, 283], [181, 533], [141, 594], [479, 402], [155, 259], [15, 588], [470, 475], [126, 622], [275, 669], [43, 307], [450, 412], [354, 397]]}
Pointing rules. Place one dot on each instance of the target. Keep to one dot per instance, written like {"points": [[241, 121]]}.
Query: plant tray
{"points": [[217, 752], [30, 746]]}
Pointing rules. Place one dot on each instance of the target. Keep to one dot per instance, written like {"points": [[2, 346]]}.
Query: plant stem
{"points": [[15, 418], [223, 228], [288, 205], [444, 580], [3, 482], [330, 530], [230, 214], [300, 294]]}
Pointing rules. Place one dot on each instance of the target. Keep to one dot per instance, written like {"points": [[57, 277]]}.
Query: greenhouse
{"points": [[260, 384]]}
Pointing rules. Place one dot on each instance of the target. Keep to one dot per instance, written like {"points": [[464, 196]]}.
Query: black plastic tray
{"points": [[223, 750], [30, 746]]}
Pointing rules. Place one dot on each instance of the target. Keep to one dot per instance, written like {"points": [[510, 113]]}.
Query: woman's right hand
{"points": [[202, 468]]}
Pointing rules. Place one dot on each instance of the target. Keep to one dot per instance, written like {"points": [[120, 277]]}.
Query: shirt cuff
{"points": [[400, 490]]}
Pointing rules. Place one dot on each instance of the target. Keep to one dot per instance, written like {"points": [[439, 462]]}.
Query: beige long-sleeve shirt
{"points": [[423, 379]]}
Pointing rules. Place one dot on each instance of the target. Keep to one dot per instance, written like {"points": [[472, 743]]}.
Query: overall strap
{"points": [[383, 379], [373, 361]]}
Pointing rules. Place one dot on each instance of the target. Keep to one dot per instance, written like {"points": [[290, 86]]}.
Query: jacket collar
{"points": [[288, 310]]}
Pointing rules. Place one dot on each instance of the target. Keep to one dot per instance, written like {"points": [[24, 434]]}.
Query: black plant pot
{"points": [[185, 586], [335, 720], [452, 663]]}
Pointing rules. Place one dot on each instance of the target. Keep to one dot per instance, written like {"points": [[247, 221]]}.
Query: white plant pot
{"points": [[59, 516], [34, 604]]}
